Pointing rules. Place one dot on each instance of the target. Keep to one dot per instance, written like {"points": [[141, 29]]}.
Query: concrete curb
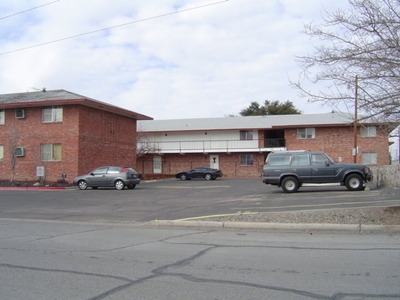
{"points": [[304, 227], [31, 188]]}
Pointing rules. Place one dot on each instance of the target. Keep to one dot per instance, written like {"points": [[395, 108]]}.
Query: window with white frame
{"points": [[1, 152], [369, 158], [306, 133], [246, 160], [2, 119], [246, 135], [52, 114], [51, 152], [368, 131]]}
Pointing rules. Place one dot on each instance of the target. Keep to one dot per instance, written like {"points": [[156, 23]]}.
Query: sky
{"points": [[167, 59]]}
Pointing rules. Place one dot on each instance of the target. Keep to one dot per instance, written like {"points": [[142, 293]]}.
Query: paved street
{"points": [[71, 244], [66, 260], [175, 199]]}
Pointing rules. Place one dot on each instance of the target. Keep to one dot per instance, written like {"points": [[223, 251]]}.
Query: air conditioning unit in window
{"points": [[20, 113], [19, 151]]}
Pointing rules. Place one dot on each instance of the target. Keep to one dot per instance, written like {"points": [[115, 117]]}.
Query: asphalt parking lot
{"points": [[174, 199]]}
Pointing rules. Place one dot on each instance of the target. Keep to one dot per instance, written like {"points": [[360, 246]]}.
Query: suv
{"points": [[291, 169]]}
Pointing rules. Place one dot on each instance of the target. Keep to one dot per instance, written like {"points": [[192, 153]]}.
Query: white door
{"points": [[157, 165], [214, 161]]}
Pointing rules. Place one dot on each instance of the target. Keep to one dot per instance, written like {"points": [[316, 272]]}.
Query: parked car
{"points": [[291, 169], [200, 172], [109, 176]]}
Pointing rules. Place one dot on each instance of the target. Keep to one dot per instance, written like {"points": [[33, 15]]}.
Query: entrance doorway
{"points": [[157, 165], [214, 161]]}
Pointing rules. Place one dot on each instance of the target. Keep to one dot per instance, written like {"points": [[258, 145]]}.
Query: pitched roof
{"points": [[247, 123], [62, 97]]}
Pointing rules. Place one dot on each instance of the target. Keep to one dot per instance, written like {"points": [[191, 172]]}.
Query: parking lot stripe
{"points": [[323, 205], [194, 187]]}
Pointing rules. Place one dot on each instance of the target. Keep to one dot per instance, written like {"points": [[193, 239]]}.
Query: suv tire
{"points": [[290, 184], [354, 182]]}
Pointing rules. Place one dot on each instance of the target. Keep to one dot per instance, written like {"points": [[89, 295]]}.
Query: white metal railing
{"points": [[199, 146]]}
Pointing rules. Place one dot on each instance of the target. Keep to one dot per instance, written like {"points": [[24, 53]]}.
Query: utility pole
{"points": [[355, 150]]}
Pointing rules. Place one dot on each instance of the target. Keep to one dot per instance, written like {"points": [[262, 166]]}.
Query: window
{"points": [[100, 171], [51, 152], [246, 135], [306, 133], [368, 131], [20, 113], [318, 159], [369, 158], [52, 114], [246, 160], [300, 160], [279, 160], [1, 116], [1, 152], [113, 170]]}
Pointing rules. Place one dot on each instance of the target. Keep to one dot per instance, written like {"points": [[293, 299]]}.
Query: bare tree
{"points": [[144, 146], [362, 42]]}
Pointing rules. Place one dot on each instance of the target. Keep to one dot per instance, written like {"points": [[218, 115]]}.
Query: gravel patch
{"points": [[366, 216]]}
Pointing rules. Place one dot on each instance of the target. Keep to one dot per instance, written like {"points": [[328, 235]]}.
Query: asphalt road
{"points": [[94, 256], [67, 260], [175, 199]]}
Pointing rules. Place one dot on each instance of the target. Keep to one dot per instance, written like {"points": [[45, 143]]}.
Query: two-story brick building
{"points": [[49, 133], [239, 145]]}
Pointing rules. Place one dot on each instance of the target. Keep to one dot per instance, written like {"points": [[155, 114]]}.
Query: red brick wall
{"points": [[338, 143], [228, 163], [105, 139], [30, 133], [89, 138]]}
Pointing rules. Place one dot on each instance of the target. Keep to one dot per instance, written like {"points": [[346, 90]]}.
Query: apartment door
{"points": [[214, 161], [157, 165]]}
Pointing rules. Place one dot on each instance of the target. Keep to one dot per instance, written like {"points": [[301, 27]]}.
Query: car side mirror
{"points": [[327, 163], [92, 174]]}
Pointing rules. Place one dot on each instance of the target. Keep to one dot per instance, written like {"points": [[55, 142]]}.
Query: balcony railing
{"points": [[206, 146], [272, 143]]}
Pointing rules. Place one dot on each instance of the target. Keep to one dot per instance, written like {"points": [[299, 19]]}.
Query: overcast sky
{"points": [[167, 59]]}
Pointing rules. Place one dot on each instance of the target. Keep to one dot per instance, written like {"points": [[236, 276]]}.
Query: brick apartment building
{"points": [[239, 145], [49, 133]]}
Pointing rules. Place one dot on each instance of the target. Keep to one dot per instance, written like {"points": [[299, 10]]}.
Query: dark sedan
{"points": [[200, 172]]}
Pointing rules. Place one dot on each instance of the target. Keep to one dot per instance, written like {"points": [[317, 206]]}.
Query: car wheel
{"points": [[354, 182], [183, 177], [131, 186], [82, 185], [208, 177], [119, 185], [290, 184]]}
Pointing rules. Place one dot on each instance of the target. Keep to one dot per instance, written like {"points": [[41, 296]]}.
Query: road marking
{"points": [[194, 187], [321, 205], [220, 215]]}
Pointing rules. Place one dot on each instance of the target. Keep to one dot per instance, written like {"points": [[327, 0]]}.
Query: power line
{"points": [[115, 26], [24, 11]]}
